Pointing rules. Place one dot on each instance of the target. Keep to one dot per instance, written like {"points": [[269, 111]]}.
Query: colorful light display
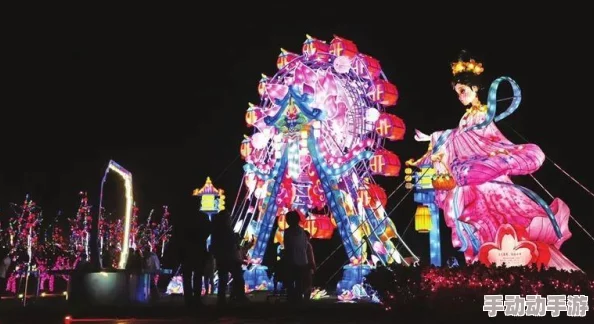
{"points": [[153, 234], [23, 239], [80, 227], [318, 140], [472, 165], [441, 288]]}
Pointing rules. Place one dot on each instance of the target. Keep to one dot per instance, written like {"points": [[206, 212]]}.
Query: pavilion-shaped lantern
{"points": [[212, 199]]}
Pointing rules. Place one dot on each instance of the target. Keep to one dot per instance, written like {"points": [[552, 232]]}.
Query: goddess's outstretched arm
{"points": [[429, 156]]}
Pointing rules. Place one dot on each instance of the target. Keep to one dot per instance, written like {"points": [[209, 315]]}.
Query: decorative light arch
{"points": [[127, 177]]}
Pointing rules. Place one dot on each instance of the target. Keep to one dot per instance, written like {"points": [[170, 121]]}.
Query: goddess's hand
{"points": [[437, 157], [421, 137]]}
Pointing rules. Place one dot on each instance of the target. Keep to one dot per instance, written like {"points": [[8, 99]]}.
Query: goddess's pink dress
{"points": [[481, 161]]}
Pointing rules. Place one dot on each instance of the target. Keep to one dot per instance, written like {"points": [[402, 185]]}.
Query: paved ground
{"points": [[171, 310]]}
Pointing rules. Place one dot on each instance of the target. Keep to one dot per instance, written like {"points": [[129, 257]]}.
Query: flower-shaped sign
{"points": [[513, 248]]}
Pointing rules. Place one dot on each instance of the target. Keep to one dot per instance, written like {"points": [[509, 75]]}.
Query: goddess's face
{"points": [[466, 94]]}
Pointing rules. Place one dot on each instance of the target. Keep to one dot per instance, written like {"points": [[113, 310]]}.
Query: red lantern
{"points": [[385, 163], [316, 49], [343, 47], [262, 85], [371, 194], [319, 226], [383, 92], [377, 194], [284, 58], [286, 195], [252, 115], [390, 126], [367, 67], [246, 148], [309, 224]]}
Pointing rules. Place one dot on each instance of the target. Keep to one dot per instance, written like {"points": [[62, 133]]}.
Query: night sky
{"points": [[163, 92]]}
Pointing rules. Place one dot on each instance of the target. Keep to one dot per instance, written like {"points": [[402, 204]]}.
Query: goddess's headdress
{"points": [[466, 64], [471, 66]]}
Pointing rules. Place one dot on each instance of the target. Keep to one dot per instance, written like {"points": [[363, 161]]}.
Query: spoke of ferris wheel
{"points": [[328, 147], [552, 197], [555, 164], [334, 140]]}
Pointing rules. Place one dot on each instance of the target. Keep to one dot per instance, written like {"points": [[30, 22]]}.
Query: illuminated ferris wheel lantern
{"points": [[318, 140]]}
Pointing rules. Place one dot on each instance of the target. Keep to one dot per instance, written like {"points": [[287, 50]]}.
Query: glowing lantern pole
{"points": [[212, 200], [127, 177], [427, 214]]}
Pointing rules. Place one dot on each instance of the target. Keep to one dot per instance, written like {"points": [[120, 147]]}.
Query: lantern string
{"points": [[565, 173], [356, 229], [407, 226], [361, 245], [226, 168], [552, 197], [556, 165], [373, 230], [241, 184]]}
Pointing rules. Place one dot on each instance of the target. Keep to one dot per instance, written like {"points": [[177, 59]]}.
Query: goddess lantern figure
{"points": [[473, 165]]}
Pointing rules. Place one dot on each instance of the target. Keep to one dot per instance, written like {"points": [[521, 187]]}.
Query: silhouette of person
{"points": [[209, 268], [134, 264], [192, 249], [225, 248], [295, 240]]}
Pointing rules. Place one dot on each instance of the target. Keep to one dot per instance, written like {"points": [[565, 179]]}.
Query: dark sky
{"points": [[164, 91]]}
